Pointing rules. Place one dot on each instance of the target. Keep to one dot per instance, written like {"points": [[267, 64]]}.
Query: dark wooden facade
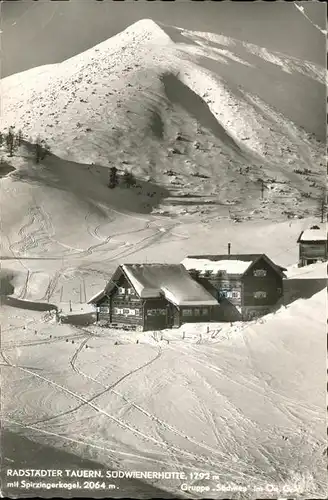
{"points": [[123, 307], [244, 296], [262, 287]]}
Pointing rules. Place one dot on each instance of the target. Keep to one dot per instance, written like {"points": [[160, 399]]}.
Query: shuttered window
{"points": [[126, 311]]}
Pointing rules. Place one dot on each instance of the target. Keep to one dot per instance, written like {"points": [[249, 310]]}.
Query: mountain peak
{"points": [[145, 30]]}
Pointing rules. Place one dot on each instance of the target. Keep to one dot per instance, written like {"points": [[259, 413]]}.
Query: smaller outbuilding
{"points": [[312, 246]]}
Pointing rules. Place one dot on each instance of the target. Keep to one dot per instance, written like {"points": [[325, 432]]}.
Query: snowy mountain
{"points": [[157, 99], [199, 118]]}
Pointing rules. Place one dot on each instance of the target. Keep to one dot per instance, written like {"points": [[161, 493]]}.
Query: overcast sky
{"points": [[44, 31]]}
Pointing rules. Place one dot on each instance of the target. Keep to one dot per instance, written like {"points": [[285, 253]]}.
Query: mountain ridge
{"points": [[141, 101]]}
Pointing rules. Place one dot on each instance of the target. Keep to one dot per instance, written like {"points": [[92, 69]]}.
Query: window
{"points": [[196, 312], [130, 291], [186, 312], [156, 312], [126, 312], [121, 290], [260, 295], [259, 273], [104, 309], [229, 294], [279, 291], [205, 311]]}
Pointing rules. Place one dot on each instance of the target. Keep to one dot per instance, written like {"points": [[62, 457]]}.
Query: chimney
{"points": [[229, 248]]}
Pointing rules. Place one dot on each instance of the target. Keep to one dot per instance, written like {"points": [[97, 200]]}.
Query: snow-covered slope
{"points": [[160, 98], [245, 405], [123, 103]]}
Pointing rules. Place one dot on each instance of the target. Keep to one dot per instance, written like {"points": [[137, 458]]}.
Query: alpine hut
{"points": [[245, 285], [312, 246], [153, 297]]}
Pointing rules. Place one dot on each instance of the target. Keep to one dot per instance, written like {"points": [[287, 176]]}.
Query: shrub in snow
{"points": [[41, 149], [170, 172]]}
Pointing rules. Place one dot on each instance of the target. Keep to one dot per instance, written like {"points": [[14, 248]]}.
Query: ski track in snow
{"points": [[238, 420], [151, 416], [84, 401], [246, 382]]}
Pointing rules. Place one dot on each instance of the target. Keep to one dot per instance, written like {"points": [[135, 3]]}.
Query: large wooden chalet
{"points": [[246, 286], [312, 246], [153, 297]]}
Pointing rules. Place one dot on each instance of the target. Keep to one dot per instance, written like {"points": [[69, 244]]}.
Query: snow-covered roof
{"points": [[97, 297], [171, 280], [313, 235], [236, 264], [203, 265]]}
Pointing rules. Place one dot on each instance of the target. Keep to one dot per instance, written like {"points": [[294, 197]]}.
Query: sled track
{"points": [[89, 402], [107, 389], [249, 385], [39, 235], [236, 415], [279, 401], [151, 416], [92, 444], [10, 365], [23, 293], [13, 345], [53, 282]]}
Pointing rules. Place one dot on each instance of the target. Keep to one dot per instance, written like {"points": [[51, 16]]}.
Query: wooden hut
{"points": [[153, 297], [246, 285], [312, 246]]}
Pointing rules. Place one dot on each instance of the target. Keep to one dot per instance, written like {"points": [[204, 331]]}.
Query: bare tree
{"points": [[38, 150], [113, 179], [19, 138]]}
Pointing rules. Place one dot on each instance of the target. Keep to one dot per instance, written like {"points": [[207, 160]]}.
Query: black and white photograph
{"points": [[163, 249]]}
